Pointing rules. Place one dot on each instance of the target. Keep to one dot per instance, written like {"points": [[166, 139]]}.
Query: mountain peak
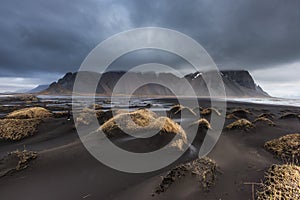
{"points": [[238, 83]]}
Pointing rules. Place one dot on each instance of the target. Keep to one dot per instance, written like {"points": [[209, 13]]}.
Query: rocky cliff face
{"points": [[237, 83], [242, 78]]}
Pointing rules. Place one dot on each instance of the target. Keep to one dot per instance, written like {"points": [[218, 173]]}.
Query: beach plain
{"points": [[62, 168]]}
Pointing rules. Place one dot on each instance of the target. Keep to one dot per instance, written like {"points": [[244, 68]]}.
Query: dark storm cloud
{"points": [[52, 36], [55, 36], [249, 34]]}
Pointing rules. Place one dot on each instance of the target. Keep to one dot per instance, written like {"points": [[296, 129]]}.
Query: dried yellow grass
{"points": [[267, 115], [240, 124], [185, 110], [16, 161], [202, 123], [175, 108], [142, 121], [231, 116], [287, 146], [179, 109], [17, 129], [240, 113], [24, 157], [133, 122], [29, 113], [209, 111], [264, 120], [282, 182], [203, 169], [87, 115]]}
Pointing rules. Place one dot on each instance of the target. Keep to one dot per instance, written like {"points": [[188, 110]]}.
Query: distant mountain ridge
{"points": [[39, 88], [238, 83]]}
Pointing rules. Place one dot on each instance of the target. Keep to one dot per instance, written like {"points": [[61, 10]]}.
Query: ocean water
{"points": [[62, 100], [269, 101]]}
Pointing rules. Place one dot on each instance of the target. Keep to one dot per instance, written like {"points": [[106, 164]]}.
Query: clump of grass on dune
{"points": [[185, 110], [143, 121], [169, 127], [264, 120], [140, 113], [203, 169], [240, 124], [241, 113], [137, 121], [175, 108], [290, 116], [16, 161], [22, 123], [29, 113], [287, 147], [202, 123], [209, 111], [24, 157], [87, 115], [282, 182], [267, 115], [231, 116], [181, 110], [133, 121], [17, 129]]}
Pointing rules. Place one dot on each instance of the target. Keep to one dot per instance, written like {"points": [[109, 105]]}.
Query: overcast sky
{"points": [[41, 40]]}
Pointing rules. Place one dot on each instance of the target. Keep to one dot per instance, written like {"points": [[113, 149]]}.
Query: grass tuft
{"points": [[264, 120], [240, 124], [178, 110], [17, 129], [267, 115], [203, 169], [16, 161], [286, 147], [143, 121], [241, 113], [87, 115], [202, 123], [281, 182], [209, 111], [30, 113]]}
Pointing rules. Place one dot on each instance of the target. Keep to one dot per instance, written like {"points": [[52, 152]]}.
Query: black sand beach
{"points": [[64, 169]]}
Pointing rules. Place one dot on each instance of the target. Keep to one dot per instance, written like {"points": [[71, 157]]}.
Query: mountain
{"points": [[237, 83], [37, 89]]}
